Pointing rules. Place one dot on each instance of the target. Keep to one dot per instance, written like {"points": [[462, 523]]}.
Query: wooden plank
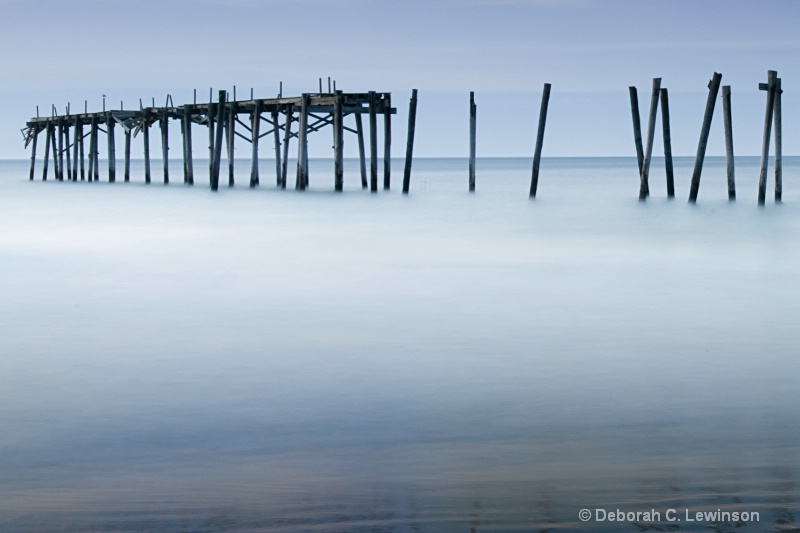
{"points": [[218, 140], [35, 137], [127, 155], [412, 120], [276, 137], [713, 90], [46, 150], [255, 125], [644, 186], [762, 178], [665, 130], [302, 147], [164, 125], [387, 141], [537, 154], [637, 127], [778, 142], [112, 156], [338, 142], [728, 120], [373, 143], [473, 117], [287, 126], [361, 157]]}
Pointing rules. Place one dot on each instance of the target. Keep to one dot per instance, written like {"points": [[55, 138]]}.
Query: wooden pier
{"points": [[225, 119]]}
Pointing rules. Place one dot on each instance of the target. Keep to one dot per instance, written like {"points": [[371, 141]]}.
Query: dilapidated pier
{"points": [[281, 119]]}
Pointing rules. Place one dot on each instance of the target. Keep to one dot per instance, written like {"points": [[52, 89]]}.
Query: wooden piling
{"points": [[66, 150], [762, 178], [537, 154], [211, 137], [338, 141], [188, 163], [146, 140], [46, 150], [665, 130], [80, 153], [218, 141], [412, 120], [127, 155], [387, 140], [637, 127], [373, 143], [75, 142], [164, 124], [713, 90], [302, 146], [728, 120], [34, 138], [255, 126], [473, 116], [112, 156], [276, 139], [361, 158], [94, 172], [231, 138], [644, 187], [778, 143], [59, 165], [287, 136]]}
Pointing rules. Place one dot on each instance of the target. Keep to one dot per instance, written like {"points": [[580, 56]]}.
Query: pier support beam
{"points": [[713, 90], [94, 171], [230, 138], [127, 155], [146, 132], [637, 128], [644, 185], [276, 137], [59, 164], [66, 150], [537, 154], [728, 120], [473, 117], [188, 164], [361, 157], [47, 137], [164, 124], [762, 178], [218, 141], [34, 138], [373, 143], [287, 136], [75, 142], [112, 156], [338, 142], [255, 127], [665, 131], [302, 148], [387, 141], [778, 143], [412, 120], [211, 136], [80, 148]]}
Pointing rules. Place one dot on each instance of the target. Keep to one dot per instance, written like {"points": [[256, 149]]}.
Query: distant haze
{"points": [[68, 51]]}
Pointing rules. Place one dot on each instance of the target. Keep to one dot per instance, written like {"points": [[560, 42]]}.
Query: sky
{"points": [[60, 51]]}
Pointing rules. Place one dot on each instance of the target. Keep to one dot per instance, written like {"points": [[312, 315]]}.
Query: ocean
{"points": [[177, 360]]}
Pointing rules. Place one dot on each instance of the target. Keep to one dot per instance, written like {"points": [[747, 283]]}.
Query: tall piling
{"points": [[188, 162], [537, 154], [373, 143], [231, 138], [46, 161], [762, 178], [713, 91], [146, 141], [387, 141], [255, 127], [34, 138], [361, 156], [60, 159], [287, 136], [412, 120], [665, 133], [164, 124], [644, 187], [778, 143], [112, 156], [338, 141], [276, 141], [472, 133], [66, 150], [75, 144], [127, 163], [302, 146], [728, 121], [218, 140], [637, 127]]}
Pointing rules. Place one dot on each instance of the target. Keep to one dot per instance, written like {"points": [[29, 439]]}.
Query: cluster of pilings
{"points": [[223, 120], [660, 94]]}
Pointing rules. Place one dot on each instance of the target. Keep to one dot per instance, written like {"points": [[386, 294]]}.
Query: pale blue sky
{"points": [[55, 51]]}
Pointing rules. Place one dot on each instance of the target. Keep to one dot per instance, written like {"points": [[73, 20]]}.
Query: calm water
{"points": [[264, 360]]}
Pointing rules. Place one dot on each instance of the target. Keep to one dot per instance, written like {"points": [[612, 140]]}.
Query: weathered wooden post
{"points": [[90, 176], [112, 156], [188, 163], [637, 127], [778, 143], [728, 120], [387, 140], [211, 137], [46, 150], [338, 141], [713, 90], [287, 136], [302, 146], [34, 138], [276, 139], [665, 130], [94, 149], [762, 179], [146, 140], [361, 156], [537, 154], [81, 154], [164, 124], [644, 187], [231, 138], [59, 165], [218, 140], [127, 177], [412, 120], [76, 140], [472, 132], [255, 127], [66, 148], [373, 143]]}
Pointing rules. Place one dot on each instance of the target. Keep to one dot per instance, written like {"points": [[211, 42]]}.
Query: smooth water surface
{"points": [[173, 359]]}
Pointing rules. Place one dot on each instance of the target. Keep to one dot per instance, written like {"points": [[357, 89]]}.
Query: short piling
{"points": [[34, 138], [75, 142], [412, 119], [255, 127], [46, 150], [188, 163], [537, 154], [127, 163], [164, 123], [361, 156], [287, 136], [276, 140], [302, 146], [146, 141], [112, 156], [713, 91]]}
